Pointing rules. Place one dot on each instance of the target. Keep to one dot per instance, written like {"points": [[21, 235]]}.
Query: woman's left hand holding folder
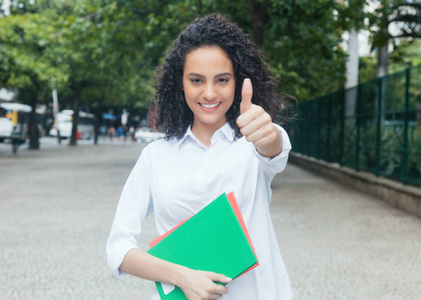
{"points": [[200, 285], [196, 285]]}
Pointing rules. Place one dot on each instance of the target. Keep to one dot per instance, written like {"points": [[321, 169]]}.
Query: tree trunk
{"points": [[257, 12], [352, 66], [33, 126], [383, 61], [75, 108], [98, 119], [382, 71]]}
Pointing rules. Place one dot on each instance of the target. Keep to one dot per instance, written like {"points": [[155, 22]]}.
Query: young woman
{"points": [[216, 104]]}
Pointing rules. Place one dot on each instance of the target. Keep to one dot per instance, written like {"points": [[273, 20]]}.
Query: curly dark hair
{"points": [[173, 115]]}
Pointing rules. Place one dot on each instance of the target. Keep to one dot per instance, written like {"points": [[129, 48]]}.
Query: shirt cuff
{"points": [[116, 257], [286, 147]]}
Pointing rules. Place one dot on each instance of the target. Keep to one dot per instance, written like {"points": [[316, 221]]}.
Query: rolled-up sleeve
{"points": [[275, 165], [134, 206]]}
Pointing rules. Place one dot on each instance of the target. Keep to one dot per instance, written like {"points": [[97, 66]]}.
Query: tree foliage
{"points": [[24, 64], [302, 45], [299, 38], [407, 14], [404, 14], [104, 52]]}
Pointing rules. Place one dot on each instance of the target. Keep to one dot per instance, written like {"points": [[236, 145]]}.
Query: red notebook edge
{"points": [[160, 238], [237, 211]]}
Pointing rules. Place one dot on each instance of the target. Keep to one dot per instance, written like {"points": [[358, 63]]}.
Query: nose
{"points": [[209, 92]]}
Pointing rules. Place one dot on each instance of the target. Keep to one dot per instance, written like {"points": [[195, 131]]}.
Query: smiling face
{"points": [[209, 87]]}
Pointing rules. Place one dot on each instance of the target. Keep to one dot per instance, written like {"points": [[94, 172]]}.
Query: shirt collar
{"points": [[226, 130]]}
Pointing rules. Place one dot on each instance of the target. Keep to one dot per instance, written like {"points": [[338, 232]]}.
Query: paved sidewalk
{"points": [[57, 206]]}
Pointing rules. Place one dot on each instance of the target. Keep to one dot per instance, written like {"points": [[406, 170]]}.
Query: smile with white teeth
{"points": [[209, 105]]}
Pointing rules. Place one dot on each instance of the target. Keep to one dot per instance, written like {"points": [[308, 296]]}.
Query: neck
{"points": [[204, 133]]}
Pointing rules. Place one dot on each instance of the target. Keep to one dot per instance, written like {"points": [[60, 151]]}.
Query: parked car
{"points": [[145, 134]]}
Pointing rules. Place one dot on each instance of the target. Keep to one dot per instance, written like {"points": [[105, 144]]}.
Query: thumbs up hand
{"points": [[256, 124]]}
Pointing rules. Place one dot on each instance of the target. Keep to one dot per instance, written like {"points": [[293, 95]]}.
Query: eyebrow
{"points": [[201, 76]]}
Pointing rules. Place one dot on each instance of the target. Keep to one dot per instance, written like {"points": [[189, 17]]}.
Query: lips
{"points": [[210, 106]]}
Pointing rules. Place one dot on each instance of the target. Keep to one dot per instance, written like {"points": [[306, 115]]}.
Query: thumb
{"points": [[246, 95], [219, 277]]}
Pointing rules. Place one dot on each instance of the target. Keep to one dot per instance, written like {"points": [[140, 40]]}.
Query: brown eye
{"points": [[195, 80]]}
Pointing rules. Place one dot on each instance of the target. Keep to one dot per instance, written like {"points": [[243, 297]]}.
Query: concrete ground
{"points": [[57, 205]]}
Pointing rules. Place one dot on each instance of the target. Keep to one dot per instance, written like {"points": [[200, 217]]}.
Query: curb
{"points": [[403, 197]]}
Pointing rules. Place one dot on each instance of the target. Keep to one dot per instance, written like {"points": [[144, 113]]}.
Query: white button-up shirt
{"points": [[177, 178]]}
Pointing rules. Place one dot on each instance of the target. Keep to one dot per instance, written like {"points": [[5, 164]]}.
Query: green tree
{"points": [[24, 39], [95, 46], [302, 44], [95, 42], [408, 15], [405, 14]]}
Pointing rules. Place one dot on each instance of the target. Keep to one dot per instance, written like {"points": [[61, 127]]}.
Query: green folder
{"points": [[215, 239]]}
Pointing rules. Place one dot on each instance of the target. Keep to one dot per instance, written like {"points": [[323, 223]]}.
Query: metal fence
{"points": [[373, 127]]}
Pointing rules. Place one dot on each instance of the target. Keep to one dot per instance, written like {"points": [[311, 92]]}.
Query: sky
{"points": [[5, 6]]}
